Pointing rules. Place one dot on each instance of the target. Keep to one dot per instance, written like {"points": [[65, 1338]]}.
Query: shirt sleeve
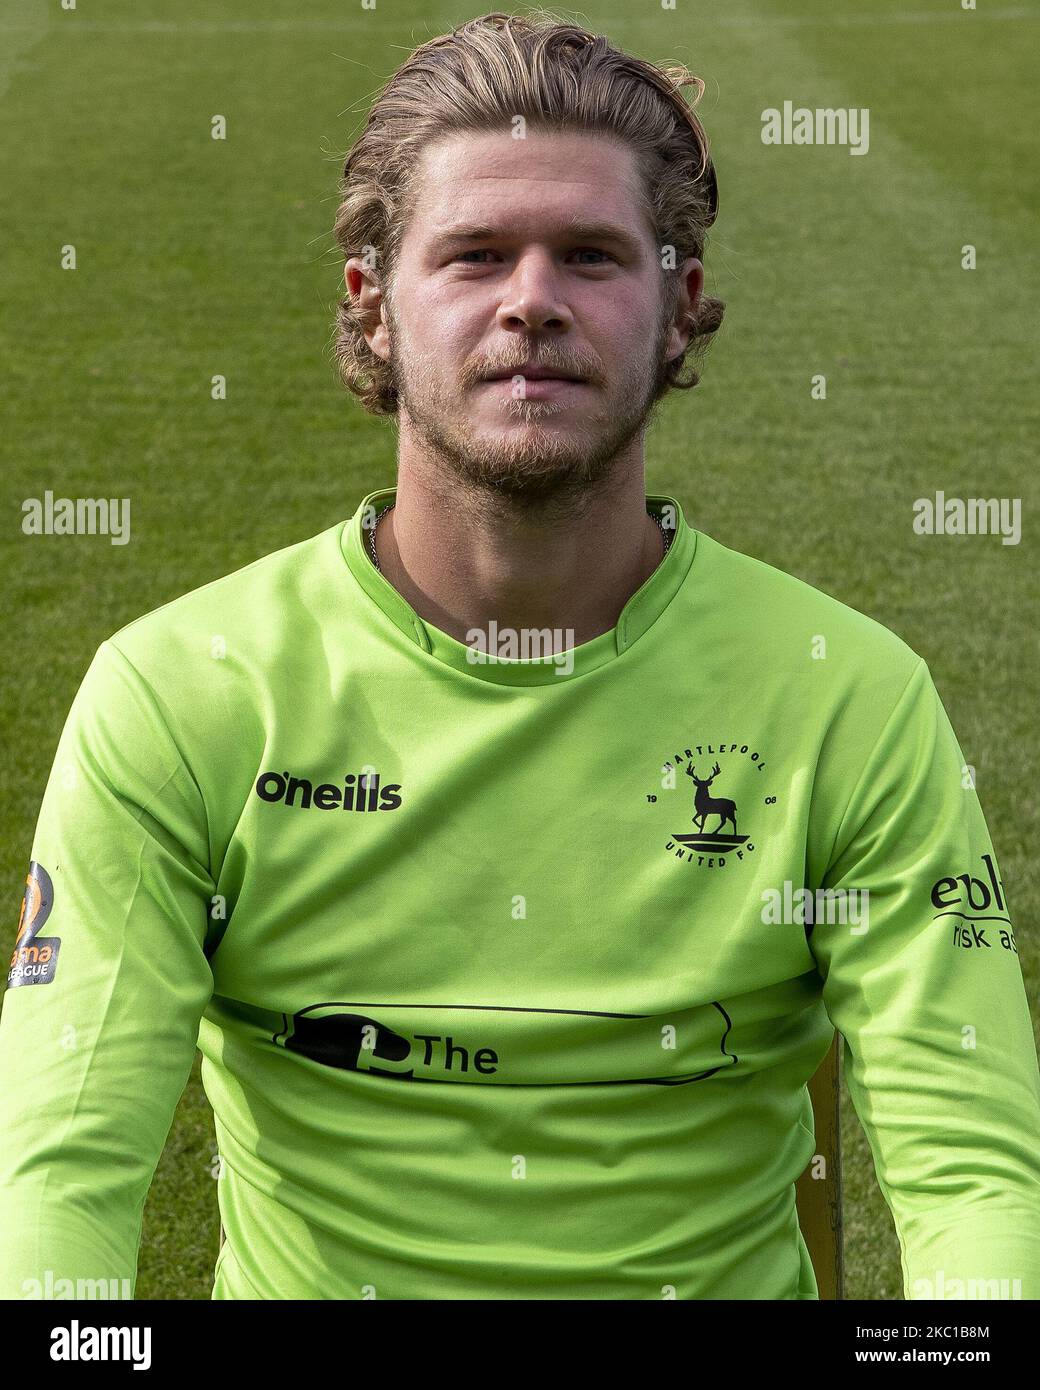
{"points": [[927, 991], [108, 981]]}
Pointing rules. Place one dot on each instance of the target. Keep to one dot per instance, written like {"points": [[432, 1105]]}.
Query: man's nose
{"points": [[532, 300]]}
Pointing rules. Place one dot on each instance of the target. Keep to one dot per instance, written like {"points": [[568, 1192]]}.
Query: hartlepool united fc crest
{"points": [[714, 796]]}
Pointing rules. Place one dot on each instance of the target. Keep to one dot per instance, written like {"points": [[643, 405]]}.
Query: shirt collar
{"points": [[643, 608]]}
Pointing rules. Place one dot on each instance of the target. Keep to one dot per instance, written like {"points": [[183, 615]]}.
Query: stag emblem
{"points": [[706, 805]]}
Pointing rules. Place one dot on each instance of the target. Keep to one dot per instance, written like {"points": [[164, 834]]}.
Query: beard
{"points": [[546, 463]]}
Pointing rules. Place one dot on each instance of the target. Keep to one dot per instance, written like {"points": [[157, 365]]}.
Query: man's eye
{"points": [[484, 251]]}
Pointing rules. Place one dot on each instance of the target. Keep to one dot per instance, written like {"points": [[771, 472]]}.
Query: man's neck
{"points": [[462, 560]]}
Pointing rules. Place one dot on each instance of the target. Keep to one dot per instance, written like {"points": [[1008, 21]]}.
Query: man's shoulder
{"points": [[209, 664], [785, 616], [249, 605]]}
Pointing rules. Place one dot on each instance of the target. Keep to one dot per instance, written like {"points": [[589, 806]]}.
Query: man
{"points": [[474, 835]]}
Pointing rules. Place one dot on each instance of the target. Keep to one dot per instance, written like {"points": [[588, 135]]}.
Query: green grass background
{"points": [[198, 257]]}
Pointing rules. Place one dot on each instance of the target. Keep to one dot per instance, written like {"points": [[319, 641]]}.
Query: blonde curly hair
{"points": [[557, 76]]}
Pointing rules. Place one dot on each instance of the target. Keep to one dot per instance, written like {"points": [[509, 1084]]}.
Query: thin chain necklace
{"points": [[375, 558]]}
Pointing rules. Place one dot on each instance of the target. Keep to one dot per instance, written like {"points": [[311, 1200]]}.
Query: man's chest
{"points": [[554, 893]]}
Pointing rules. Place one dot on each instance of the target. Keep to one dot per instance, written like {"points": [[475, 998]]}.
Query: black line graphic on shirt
{"points": [[346, 1040]]}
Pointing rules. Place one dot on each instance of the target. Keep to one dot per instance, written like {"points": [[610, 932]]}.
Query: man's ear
{"points": [[691, 284], [364, 289]]}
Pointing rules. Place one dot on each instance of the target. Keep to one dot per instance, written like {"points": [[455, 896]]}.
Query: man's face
{"points": [[522, 255]]}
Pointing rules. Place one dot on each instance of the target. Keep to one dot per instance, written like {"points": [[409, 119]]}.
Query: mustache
{"points": [[545, 359]]}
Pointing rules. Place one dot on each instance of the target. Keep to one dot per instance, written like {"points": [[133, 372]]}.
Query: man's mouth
{"points": [[536, 374]]}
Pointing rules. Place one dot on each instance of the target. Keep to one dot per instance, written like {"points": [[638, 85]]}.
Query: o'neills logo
{"points": [[358, 792], [724, 806]]}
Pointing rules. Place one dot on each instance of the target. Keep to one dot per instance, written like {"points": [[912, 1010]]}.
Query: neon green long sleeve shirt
{"points": [[509, 975]]}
